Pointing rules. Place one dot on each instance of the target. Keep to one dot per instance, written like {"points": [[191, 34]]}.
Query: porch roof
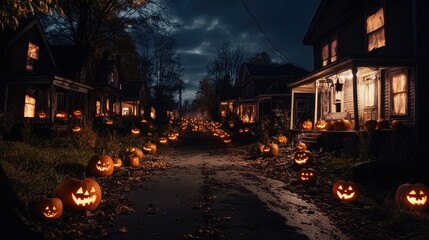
{"points": [[351, 62]]}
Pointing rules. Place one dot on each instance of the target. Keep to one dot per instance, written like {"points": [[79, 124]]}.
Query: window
{"points": [[329, 52], [29, 106], [32, 56], [369, 93], [98, 108], [399, 94], [375, 30]]}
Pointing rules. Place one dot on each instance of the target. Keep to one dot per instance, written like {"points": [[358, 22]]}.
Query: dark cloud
{"points": [[206, 24]]}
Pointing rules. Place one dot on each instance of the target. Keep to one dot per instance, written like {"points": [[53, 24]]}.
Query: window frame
{"points": [[392, 94], [376, 31], [332, 53], [33, 52]]}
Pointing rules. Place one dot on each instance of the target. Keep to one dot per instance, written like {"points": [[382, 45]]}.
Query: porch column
{"points": [[316, 101], [355, 100], [292, 109]]}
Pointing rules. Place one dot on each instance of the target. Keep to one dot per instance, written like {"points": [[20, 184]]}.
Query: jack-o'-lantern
{"points": [[412, 195], [78, 114], [370, 124], [300, 146], [149, 148], [345, 191], [307, 175], [397, 124], [133, 151], [342, 125], [79, 195], [100, 165], [281, 139], [227, 140], [42, 115], [117, 162], [76, 129], [61, 116], [320, 124], [270, 150], [172, 136], [382, 124], [231, 124], [132, 161], [48, 208], [135, 130], [163, 140], [303, 158], [307, 125]]}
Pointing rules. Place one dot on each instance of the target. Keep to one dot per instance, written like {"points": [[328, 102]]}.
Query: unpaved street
{"points": [[207, 196]]}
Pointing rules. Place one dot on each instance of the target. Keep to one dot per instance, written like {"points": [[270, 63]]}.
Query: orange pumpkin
{"points": [[79, 195], [397, 124], [303, 158], [413, 196], [370, 124], [133, 151], [281, 139], [342, 125], [345, 191], [382, 124], [149, 148], [307, 175], [300, 146], [100, 165], [132, 161], [48, 208], [270, 150], [320, 124], [307, 125], [117, 162]]}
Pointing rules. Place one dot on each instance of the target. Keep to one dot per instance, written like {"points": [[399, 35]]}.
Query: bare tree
{"points": [[261, 58], [205, 98]]}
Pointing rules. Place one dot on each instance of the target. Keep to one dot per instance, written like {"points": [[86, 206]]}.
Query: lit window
{"points": [[98, 107], [32, 56], [369, 93], [399, 92], [107, 104], [29, 106], [329, 52], [375, 30]]}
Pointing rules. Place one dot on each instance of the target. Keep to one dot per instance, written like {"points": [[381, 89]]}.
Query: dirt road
{"points": [[207, 196]]}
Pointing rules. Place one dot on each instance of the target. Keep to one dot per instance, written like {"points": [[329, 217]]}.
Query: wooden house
{"points": [[370, 61], [263, 89], [33, 87]]}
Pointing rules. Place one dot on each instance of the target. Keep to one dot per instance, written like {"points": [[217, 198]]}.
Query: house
{"points": [[131, 98], [33, 88], [263, 89], [370, 61]]}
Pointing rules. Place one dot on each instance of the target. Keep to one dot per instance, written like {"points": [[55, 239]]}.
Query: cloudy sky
{"points": [[256, 25]]}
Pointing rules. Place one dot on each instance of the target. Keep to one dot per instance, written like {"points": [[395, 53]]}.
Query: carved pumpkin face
{"points": [[412, 195], [78, 114], [172, 136], [270, 150], [61, 115], [300, 146], [132, 161], [281, 139], [320, 124], [345, 191], [42, 115], [79, 195], [303, 158], [48, 208], [307, 125], [76, 129], [135, 131], [101, 165], [163, 140], [227, 140], [134, 151], [117, 162], [149, 148], [307, 175]]}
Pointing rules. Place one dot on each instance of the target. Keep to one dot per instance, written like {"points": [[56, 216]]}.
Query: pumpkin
{"points": [[330, 125], [79, 195], [320, 124], [300, 146], [281, 139], [76, 129], [135, 130], [227, 140], [100, 165], [370, 124], [133, 151], [163, 140], [412, 195], [307, 175], [382, 124], [48, 208], [117, 162], [172, 136], [149, 148], [270, 150], [345, 191], [303, 158], [307, 125], [132, 161], [342, 125], [397, 124]]}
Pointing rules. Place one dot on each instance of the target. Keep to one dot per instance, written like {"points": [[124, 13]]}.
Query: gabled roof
{"points": [[328, 15]]}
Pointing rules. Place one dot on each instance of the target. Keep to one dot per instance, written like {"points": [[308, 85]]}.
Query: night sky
{"points": [[264, 26]]}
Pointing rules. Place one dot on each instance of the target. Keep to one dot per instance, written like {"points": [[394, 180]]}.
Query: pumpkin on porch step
{"points": [[383, 124], [320, 124], [342, 125], [307, 125], [397, 124], [370, 124]]}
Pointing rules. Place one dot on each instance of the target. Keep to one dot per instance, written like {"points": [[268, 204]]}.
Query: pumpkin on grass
{"points": [[270, 150], [413, 196], [79, 195], [47, 208], [302, 158], [307, 175], [100, 165], [345, 191]]}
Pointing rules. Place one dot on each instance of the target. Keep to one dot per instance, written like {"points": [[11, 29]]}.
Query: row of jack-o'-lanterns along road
{"points": [[81, 195]]}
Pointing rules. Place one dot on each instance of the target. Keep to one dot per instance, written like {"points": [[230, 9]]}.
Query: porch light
{"points": [[339, 84]]}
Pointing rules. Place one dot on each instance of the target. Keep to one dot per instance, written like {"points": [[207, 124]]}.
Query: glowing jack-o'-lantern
{"points": [[320, 124], [132, 161], [76, 129], [133, 151], [300, 146], [345, 191], [79, 195], [77, 114], [61, 116], [117, 162], [307, 175], [227, 140], [307, 125], [100, 165], [135, 131], [48, 208], [412, 195], [281, 139], [149, 148], [270, 150], [172, 136], [303, 158], [163, 140], [42, 115]]}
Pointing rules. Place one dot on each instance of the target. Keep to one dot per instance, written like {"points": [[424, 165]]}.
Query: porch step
{"points": [[311, 139]]}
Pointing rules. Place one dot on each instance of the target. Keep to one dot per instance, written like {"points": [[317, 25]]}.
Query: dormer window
{"points": [[375, 30], [32, 56], [329, 52]]}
